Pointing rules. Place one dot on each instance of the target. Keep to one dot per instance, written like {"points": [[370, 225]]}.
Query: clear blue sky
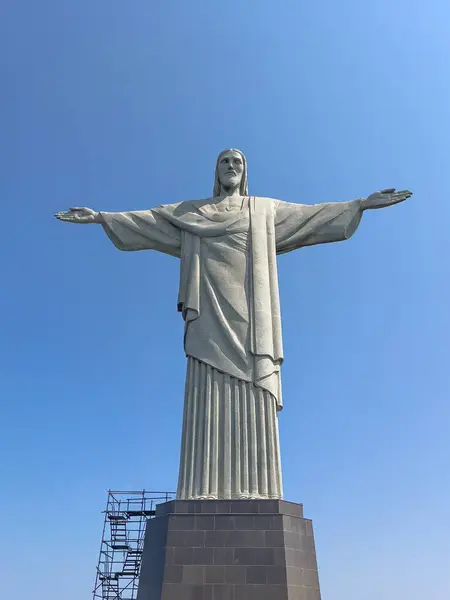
{"points": [[120, 105]]}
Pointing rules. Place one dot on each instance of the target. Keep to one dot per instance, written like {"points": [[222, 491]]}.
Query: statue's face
{"points": [[231, 169]]}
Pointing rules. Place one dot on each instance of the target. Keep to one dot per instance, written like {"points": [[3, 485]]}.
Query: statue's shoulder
{"points": [[280, 204], [266, 199], [196, 204], [185, 207], [266, 203]]}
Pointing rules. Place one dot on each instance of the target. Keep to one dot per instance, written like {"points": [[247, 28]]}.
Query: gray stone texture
{"points": [[229, 550], [228, 245]]}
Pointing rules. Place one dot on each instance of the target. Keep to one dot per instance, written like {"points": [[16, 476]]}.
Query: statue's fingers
{"points": [[388, 191], [405, 193], [396, 198], [76, 209], [402, 195]]}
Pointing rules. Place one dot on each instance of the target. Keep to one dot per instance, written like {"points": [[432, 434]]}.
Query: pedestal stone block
{"points": [[229, 550]]}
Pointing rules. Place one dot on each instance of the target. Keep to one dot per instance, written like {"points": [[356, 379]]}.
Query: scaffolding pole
{"points": [[120, 557]]}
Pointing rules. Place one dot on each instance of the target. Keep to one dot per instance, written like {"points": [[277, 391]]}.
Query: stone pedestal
{"points": [[229, 550]]}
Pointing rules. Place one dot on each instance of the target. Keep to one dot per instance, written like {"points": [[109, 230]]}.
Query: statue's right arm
{"points": [[133, 230]]}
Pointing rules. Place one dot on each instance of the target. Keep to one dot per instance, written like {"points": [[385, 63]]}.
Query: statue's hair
{"points": [[243, 188]]}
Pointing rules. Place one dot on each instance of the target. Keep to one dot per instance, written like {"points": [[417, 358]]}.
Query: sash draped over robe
{"points": [[229, 300]]}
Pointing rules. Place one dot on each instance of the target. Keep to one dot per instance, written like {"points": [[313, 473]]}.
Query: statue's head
{"points": [[231, 172]]}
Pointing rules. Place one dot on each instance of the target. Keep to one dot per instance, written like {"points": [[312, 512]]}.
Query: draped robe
{"points": [[229, 300]]}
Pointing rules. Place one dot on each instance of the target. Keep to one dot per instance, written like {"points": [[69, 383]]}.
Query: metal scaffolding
{"points": [[122, 544]]}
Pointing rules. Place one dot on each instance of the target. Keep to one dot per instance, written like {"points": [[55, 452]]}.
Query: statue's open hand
{"points": [[79, 215], [385, 198]]}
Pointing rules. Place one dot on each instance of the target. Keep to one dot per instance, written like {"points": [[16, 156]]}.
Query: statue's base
{"points": [[229, 550]]}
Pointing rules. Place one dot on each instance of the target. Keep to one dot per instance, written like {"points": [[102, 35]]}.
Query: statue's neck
{"points": [[230, 192], [229, 202], [230, 197]]}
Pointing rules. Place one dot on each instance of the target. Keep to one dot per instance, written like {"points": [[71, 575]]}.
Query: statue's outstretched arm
{"points": [[133, 230], [298, 225]]}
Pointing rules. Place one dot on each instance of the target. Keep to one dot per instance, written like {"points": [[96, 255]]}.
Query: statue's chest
{"points": [[224, 247]]}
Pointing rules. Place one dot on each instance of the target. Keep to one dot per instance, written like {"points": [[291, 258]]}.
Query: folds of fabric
{"points": [[142, 230], [230, 442], [299, 225]]}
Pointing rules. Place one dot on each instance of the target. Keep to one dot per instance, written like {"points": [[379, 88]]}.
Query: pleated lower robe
{"points": [[230, 443]]}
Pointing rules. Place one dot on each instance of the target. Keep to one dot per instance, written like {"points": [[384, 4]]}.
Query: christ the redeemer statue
{"points": [[229, 300]]}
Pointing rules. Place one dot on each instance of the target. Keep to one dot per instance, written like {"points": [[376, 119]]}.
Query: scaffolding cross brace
{"points": [[119, 563]]}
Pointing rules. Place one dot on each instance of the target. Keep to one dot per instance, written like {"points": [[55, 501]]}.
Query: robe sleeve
{"points": [[298, 225], [142, 230]]}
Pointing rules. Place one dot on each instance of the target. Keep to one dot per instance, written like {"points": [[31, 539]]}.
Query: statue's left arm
{"points": [[133, 230], [298, 225]]}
